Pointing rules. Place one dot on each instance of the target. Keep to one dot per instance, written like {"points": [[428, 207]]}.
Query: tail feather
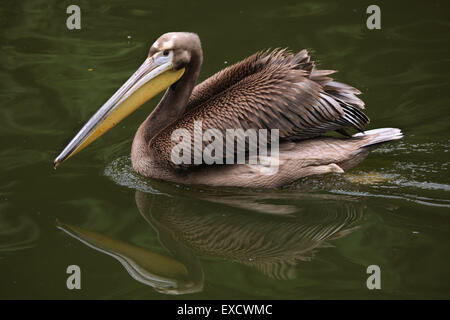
{"points": [[366, 142], [380, 135]]}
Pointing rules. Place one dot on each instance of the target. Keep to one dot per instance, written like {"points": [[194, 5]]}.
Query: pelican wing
{"points": [[270, 90]]}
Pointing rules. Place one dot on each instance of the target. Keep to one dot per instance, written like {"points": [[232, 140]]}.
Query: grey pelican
{"points": [[273, 89]]}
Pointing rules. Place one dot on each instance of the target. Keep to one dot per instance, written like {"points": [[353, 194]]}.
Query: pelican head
{"points": [[167, 60]]}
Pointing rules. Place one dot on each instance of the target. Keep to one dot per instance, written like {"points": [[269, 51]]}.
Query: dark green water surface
{"points": [[139, 239]]}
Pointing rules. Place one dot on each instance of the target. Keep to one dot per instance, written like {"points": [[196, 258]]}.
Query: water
{"points": [[135, 238]]}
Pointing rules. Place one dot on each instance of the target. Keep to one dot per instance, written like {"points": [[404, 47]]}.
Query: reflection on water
{"points": [[272, 244], [161, 272], [272, 238]]}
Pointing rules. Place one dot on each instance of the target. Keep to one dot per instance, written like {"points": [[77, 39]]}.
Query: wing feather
{"points": [[270, 90]]}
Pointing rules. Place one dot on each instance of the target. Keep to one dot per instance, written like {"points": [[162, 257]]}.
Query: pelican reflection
{"points": [[270, 232]]}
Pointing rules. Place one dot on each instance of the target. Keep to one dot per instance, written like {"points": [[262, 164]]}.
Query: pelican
{"points": [[272, 89]]}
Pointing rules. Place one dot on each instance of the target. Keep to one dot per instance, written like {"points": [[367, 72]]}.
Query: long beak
{"points": [[152, 77]]}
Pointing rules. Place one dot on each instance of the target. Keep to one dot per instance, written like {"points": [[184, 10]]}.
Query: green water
{"points": [[314, 239]]}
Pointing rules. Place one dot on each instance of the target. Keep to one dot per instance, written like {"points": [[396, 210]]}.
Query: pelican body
{"points": [[268, 90]]}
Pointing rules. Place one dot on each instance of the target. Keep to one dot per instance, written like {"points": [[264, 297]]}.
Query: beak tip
{"points": [[55, 164]]}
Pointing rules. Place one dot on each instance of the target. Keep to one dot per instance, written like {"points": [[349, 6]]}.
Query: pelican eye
{"points": [[165, 53]]}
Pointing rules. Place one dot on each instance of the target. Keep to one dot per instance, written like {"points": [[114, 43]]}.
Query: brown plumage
{"points": [[226, 130], [269, 90]]}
